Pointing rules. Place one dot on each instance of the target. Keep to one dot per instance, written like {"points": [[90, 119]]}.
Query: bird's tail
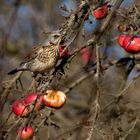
{"points": [[22, 67], [15, 71]]}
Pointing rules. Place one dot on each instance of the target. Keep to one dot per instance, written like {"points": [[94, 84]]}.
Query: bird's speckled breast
{"points": [[46, 60]]}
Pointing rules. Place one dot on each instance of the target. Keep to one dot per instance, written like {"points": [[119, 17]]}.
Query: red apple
{"points": [[19, 108], [132, 44], [85, 55], [63, 53], [127, 41], [100, 12], [31, 98], [135, 45], [121, 39], [53, 98], [25, 133]]}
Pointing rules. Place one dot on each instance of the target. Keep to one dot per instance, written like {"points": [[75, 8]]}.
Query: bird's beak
{"points": [[60, 39]]}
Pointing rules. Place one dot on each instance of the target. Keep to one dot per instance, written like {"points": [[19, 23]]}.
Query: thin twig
{"points": [[122, 92], [131, 129], [7, 90], [97, 106], [78, 81]]}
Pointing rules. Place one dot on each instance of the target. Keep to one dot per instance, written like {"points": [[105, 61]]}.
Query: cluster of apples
{"points": [[49, 98], [129, 42]]}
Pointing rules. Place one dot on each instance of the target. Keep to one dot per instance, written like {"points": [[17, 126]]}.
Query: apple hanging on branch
{"points": [[101, 11], [54, 98], [34, 98], [19, 108], [130, 43], [25, 133]]}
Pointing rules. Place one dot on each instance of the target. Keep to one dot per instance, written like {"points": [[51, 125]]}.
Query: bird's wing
{"points": [[34, 53]]}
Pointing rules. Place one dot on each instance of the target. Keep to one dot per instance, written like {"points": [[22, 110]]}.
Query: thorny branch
{"points": [[118, 96], [131, 129], [7, 90], [97, 106], [102, 29]]}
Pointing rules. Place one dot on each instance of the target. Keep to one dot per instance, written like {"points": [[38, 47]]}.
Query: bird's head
{"points": [[56, 38], [53, 38]]}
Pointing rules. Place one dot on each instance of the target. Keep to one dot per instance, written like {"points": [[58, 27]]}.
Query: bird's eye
{"points": [[55, 36]]}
